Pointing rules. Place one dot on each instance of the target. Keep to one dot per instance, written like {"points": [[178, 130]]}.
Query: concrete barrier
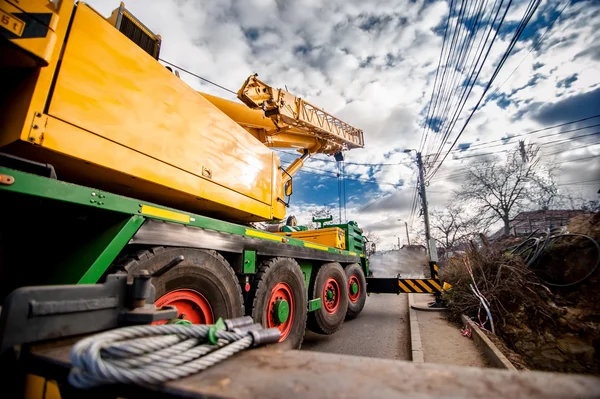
{"points": [[490, 351], [415, 333]]}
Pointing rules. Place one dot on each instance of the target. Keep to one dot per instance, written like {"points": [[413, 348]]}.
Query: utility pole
{"points": [[430, 251], [407, 237], [398, 243]]}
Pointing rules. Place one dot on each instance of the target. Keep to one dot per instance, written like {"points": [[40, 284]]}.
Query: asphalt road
{"points": [[381, 330]]}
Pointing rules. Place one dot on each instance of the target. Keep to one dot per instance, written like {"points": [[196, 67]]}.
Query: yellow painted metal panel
{"points": [[39, 388], [315, 246], [112, 88], [99, 154], [260, 234], [25, 90], [332, 236], [165, 214]]}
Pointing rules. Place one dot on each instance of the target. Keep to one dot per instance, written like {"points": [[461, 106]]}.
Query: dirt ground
{"points": [[443, 342]]}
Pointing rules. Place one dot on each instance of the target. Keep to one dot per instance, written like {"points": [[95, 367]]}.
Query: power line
{"points": [[527, 17], [472, 148], [466, 173], [452, 55], [425, 130], [472, 79], [198, 76], [333, 174], [507, 140], [347, 163], [586, 145], [546, 143], [579, 182], [550, 25]]}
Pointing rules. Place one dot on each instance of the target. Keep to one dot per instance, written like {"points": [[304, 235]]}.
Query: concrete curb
{"points": [[415, 334], [491, 352]]}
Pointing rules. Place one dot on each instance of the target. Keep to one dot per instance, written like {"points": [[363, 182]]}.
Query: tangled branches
{"points": [[513, 291]]}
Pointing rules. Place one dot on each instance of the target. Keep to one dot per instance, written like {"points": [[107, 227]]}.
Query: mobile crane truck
{"points": [[110, 163]]}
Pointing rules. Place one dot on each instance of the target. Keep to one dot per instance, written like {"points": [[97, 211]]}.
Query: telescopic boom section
{"points": [[289, 112]]}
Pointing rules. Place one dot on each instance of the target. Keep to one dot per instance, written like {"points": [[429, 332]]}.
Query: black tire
{"points": [[356, 304], [270, 273], [322, 320], [203, 271]]}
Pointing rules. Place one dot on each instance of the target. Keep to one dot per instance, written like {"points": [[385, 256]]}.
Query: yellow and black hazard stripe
{"points": [[420, 286], [435, 271]]}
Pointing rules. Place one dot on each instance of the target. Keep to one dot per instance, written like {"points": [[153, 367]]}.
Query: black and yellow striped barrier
{"points": [[435, 271], [419, 286], [400, 285]]}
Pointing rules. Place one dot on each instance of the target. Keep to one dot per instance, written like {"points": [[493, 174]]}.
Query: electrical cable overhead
{"points": [[546, 143], [437, 71], [459, 70], [462, 174], [548, 29], [452, 174], [533, 5], [506, 139], [332, 161], [332, 174], [473, 75], [429, 117]]}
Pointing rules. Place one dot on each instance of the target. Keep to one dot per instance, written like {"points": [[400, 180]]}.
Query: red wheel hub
{"points": [[191, 305], [331, 295], [281, 292], [353, 281]]}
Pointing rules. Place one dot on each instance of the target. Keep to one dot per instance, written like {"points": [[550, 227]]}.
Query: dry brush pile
{"points": [[554, 329]]}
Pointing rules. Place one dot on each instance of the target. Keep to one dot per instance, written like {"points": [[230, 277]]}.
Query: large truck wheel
{"points": [[203, 286], [331, 286], [279, 299], [357, 290]]}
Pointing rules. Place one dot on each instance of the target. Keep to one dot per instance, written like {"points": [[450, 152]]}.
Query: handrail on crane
{"points": [[288, 111]]}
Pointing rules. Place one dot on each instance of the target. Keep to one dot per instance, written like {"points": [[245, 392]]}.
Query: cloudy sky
{"points": [[373, 64]]}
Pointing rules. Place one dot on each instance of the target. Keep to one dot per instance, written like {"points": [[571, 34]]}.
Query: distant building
{"points": [[526, 223]]}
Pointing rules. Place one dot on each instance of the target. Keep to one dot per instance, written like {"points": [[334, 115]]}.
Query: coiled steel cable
{"points": [[154, 354]]}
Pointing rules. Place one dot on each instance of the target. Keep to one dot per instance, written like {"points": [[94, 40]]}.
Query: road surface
{"points": [[381, 330]]}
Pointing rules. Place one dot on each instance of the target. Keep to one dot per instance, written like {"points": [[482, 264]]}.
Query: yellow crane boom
{"points": [[279, 119], [288, 111]]}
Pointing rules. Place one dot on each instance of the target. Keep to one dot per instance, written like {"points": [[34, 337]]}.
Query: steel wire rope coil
{"points": [[155, 354]]}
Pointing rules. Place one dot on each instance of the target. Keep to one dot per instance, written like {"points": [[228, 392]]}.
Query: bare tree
{"points": [[372, 237], [455, 225], [509, 187]]}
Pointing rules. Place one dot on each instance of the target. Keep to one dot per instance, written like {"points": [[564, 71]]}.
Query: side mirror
{"points": [[288, 188], [373, 248]]}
